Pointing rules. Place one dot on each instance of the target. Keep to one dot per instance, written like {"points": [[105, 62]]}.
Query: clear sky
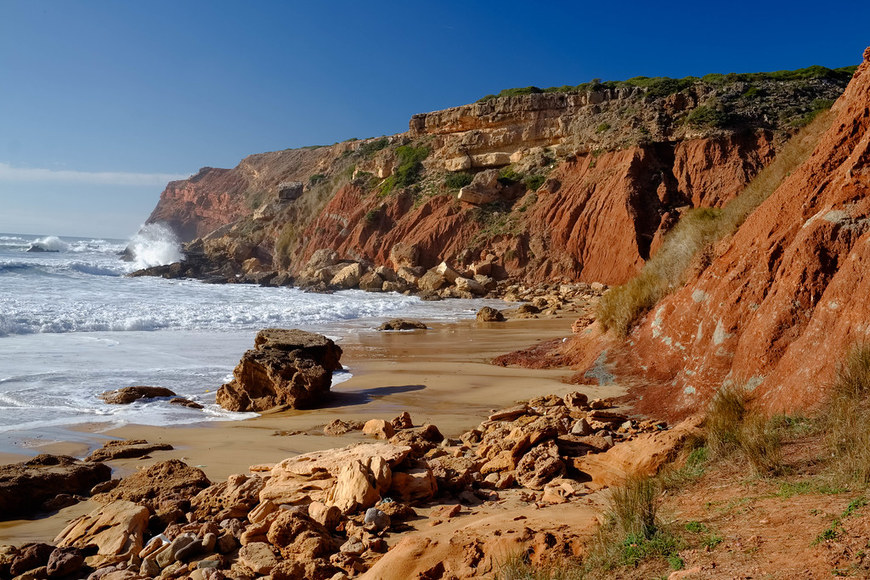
{"points": [[103, 102]]}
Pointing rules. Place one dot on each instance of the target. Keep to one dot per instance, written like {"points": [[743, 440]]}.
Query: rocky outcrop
{"points": [[783, 300], [25, 487], [116, 530], [290, 368]]}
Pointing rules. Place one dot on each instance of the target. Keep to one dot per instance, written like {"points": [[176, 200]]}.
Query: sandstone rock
{"points": [[339, 427], [378, 428], [387, 273], [286, 367], [539, 466], [454, 474], [410, 276], [258, 556], [347, 277], [326, 516], [234, 498], [128, 448], [470, 285], [576, 401], [404, 255], [300, 538], [354, 489], [115, 529], [127, 395], [289, 190], [445, 512], [483, 189], [431, 281], [511, 413], [581, 427], [307, 477], [447, 272], [322, 258], [414, 485], [371, 282], [489, 314], [24, 487], [171, 481], [403, 421], [402, 324]]}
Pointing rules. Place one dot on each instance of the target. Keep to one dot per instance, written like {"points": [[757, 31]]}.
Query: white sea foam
{"points": [[155, 245], [49, 244]]}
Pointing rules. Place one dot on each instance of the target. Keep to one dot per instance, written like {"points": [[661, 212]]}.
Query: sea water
{"points": [[72, 326]]}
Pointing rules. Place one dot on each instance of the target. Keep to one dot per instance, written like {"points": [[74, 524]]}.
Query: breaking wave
{"points": [[154, 245]]}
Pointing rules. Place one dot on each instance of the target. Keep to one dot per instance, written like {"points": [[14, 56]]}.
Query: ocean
{"points": [[72, 326]]}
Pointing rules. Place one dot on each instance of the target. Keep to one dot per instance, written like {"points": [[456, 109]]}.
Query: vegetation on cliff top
{"points": [[664, 86]]}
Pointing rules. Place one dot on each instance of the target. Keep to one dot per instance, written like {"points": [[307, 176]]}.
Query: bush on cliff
{"points": [[409, 168]]}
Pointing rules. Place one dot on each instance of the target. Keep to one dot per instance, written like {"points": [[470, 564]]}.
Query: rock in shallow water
{"points": [[289, 368]]}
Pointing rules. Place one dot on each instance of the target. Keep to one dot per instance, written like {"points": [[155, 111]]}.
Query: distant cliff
{"points": [[578, 185]]}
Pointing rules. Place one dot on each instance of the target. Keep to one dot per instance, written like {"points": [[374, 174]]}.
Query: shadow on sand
{"points": [[345, 399]]}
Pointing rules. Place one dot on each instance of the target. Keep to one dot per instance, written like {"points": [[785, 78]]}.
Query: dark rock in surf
{"points": [[127, 395]]}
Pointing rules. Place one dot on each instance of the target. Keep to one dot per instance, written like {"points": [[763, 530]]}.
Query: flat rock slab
{"points": [[24, 487], [126, 449]]}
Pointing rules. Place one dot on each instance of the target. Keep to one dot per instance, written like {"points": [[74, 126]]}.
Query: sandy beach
{"points": [[440, 376]]}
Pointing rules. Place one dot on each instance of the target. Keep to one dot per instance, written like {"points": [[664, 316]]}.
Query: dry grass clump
{"points": [[733, 427], [846, 420], [517, 567], [691, 240]]}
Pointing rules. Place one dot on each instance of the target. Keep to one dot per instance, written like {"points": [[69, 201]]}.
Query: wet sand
{"points": [[440, 376]]}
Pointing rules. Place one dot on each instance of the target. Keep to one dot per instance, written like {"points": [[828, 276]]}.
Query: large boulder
{"points": [[24, 487], [483, 189], [404, 255], [290, 368], [348, 277]]}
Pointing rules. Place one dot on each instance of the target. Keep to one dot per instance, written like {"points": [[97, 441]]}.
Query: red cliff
{"points": [[785, 297]]}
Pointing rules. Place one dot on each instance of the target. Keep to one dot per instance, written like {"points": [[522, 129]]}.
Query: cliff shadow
{"points": [[346, 398]]}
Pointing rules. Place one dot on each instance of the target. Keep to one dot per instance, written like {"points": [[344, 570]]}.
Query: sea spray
{"points": [[48, 244], [155, 245]]}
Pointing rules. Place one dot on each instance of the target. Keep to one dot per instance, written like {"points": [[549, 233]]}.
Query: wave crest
{"points": [[48, 244], [154, 245]]}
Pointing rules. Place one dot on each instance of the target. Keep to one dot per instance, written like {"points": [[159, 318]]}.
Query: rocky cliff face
{"points": [[556, 186], [784, 298]]}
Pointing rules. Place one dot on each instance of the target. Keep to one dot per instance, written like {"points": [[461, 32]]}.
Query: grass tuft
{"points": [[846, 420]]}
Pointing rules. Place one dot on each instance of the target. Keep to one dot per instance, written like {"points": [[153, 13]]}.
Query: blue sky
{"points": [[102, 102]]}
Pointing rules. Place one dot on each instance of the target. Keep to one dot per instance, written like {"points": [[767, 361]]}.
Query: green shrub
{"points": [[509, 176], [371, 217], [817, 107], [409, 169], [602, 128], [369, 148], [457, 180], [533, 182], [316, 178], [707, 116]]}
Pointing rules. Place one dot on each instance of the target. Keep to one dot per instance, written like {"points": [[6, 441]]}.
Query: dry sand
{"points": [[440, 376]]}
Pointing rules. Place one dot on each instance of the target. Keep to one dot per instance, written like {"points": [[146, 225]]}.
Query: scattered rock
{"points": [[488, 314], [378, 428], [30, 556], [286, 367], [376, 519], [125, 449], [402, 324], [403, 421], [127, 395], [414, 485], [234, 498], [185, 403], [258, 556], [354, 488], [339, 427]]}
